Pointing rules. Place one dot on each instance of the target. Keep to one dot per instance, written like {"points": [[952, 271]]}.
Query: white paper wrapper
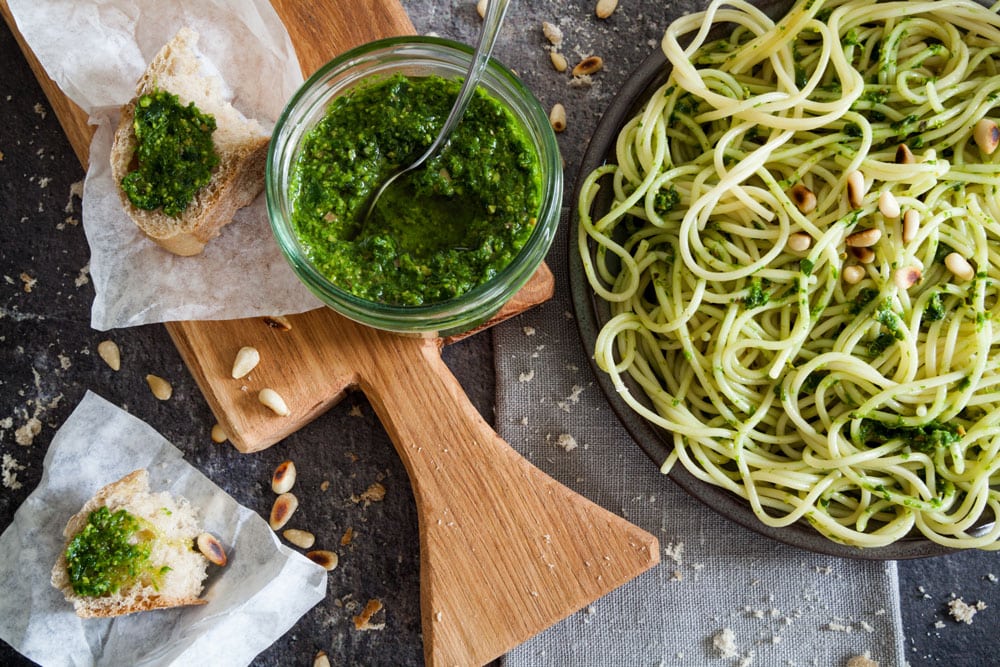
{"points": [[96, 50], [263, 590]]}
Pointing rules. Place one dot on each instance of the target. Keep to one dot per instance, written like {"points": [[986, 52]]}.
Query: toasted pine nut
{"points": [[282, 510], [904, 155], [855, 189], [799, 242], [283, 478], [218, 435], [557, 117], [160, 387], [866, 238], [273, 400], [605, 8], [552, 33], [328, 560], [481, 8], [907, 277], [211, 548], [246, 360], [321, 660], [300, 538], [987, 135], [863, 255], [558, 61], [109, 352], [887, 205], [853, 274], [911, 224], [804, 198], [959, 266], [589, 65], [279, 322]]}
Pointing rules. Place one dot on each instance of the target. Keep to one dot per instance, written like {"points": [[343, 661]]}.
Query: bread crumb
{"points": [[39, 109], [44, 181], [324, 485], [992, 577], [355, 411], [348, 537], [373, 494], [8, 470], [725, 643], [675, 552], [566, 441], [84, 277], [526, 377], [939, 624], [25, 435], [963, 612], [862, 661], [572, 399], [29, 282], [363, 620], [529, 331]]}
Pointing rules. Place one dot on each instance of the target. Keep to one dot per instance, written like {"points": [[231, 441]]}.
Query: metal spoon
{"points": [[495, 10]]}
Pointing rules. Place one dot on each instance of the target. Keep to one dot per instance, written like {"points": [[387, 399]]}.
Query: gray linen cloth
{"points": [[722, 595]]}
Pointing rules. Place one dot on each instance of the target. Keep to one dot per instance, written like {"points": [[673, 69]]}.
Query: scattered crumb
{"points": [[39, 109], [83, 278], [324, 485], [939, 624], [675, 552], [572, 399], [566, 441], [992, 577], [523, 377], [29, 282], [355, 411], [529, 331], [44, 181], [25, 435], [862, 661], [373, 494], [8, 471], [824, 569], [363, 620], [725, 643], [348, 537], [963, 612], [64, 362]]}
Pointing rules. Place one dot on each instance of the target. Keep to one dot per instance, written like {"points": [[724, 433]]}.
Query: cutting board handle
{"points": [[505, 550]]}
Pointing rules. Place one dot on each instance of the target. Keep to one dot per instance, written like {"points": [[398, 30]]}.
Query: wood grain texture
{"points": [[505, 550]]}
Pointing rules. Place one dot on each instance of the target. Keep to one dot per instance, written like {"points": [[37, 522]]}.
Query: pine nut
{"points": [[904, 155], [959, 266], [273, 400], [321, 660], [853, 274], [605, 8], [328, 560], [300, 538], [907, 277], [283, 478], [987, 135], [282, 510], [211, 548], [799, 242], [866, 238], [218, 434], [589, 65], [279, 322], [887, 205], [558, 61], [911, 224], [552, 33], [855, 189], [246, 360], [557, 117], [863, 255], [481, 8], [804, 198], [161, 388], [109, 352]]}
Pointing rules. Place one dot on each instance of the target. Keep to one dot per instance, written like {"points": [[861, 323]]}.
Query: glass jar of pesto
{"points": [[445, 250]]}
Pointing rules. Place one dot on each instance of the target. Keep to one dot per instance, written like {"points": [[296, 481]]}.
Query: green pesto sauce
{"points": [[174, 151], [437, 232], [106, 554]]}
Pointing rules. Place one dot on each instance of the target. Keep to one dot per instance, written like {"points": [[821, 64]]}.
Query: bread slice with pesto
{"points": [[131, 550], [240, 145]]}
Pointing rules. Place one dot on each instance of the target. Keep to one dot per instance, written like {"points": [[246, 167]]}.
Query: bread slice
{"points": [[175, 527], [240, 142]]}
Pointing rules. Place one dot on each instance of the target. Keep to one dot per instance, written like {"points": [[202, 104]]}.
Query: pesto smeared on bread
{"points": [[174, 151]]}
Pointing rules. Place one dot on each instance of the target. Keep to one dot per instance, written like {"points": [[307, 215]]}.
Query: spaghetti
{"points": [[802, 261]]}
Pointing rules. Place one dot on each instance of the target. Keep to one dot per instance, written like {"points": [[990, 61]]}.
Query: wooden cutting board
{"points": [[505, 550]]}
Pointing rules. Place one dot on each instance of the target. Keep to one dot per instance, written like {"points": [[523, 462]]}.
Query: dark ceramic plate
{"points": [[592, 313]]}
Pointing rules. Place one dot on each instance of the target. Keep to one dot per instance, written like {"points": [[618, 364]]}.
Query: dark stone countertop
{"points": [[48, 353]]}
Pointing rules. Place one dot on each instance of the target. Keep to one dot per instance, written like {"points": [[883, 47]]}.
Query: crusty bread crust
{"points": [[241, 143], [181, 586]]}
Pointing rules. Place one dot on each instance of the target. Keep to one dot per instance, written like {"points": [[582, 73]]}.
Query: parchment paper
{"points": [[96, 50], [253, 600]]}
